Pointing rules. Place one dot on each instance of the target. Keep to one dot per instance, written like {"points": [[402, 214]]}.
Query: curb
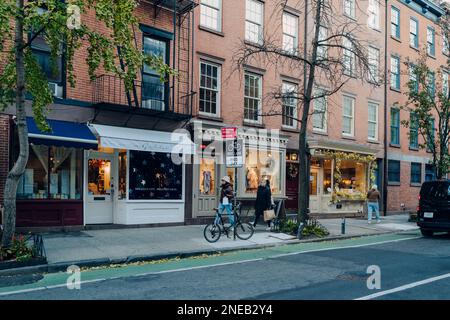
{"points": [[62, 266]]}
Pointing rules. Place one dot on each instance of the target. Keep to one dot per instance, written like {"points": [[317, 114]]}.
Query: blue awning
{"points": [[63, 134]]}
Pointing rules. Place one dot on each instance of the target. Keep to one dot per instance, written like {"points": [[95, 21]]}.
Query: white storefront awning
{"points": [[142, 140]]}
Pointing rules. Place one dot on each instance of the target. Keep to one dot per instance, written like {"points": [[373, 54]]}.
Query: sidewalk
{"points": [[125, 245]]}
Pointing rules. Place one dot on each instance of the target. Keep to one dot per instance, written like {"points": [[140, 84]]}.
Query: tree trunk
{"points": [[17, 170], [304, 174]]}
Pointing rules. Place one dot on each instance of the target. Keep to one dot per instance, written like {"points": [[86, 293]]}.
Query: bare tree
{"points": [[335, 52]]}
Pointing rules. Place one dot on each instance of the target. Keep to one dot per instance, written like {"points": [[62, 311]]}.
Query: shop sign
{"points": [[229, 133], [234, 153]]}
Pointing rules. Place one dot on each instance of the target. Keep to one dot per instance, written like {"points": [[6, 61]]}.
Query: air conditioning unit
{"points": [[55, 89]]}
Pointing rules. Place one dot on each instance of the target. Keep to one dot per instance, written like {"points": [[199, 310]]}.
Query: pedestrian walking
{"points": [[373, 198], [226, 198], [263, 201]]}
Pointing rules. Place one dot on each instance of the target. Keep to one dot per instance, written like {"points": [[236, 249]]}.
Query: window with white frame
{"points": [[320, 117], [395, 72], [431, 47], [348, 116], [289, 92], [349, 8], [395, 22], [445, 44], [413, 33], [209, 88], [252, 97], [445, 83], [372, 126], [254, 17], [374, 14], [290, 33], [322, 49], [374, 63], [349, 56], [210, 14]]}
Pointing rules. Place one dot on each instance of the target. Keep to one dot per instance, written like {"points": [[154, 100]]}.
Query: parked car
{"points": [[433, 212]]}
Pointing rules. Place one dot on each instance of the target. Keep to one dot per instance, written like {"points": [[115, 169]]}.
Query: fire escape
{"points": [[111, 95]]}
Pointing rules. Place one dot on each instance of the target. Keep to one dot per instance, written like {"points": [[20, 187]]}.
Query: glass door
{"points": [[99, 188]]}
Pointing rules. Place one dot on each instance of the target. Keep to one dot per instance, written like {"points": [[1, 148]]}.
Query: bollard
{"points": [[343, 226], [300, 230]]}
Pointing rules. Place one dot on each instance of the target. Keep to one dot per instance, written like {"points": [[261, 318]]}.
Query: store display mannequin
{"points": [[252, 179], [206, 182]]}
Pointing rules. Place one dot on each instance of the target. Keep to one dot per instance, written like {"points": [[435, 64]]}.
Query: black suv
{"points": [[433, 213]]}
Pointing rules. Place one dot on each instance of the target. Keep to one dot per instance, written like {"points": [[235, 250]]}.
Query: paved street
{"points": [[409, 265]]}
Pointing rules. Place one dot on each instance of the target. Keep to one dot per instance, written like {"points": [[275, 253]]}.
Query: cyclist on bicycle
{"points": [[226, 199]]}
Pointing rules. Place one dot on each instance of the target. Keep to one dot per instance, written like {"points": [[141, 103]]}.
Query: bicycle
{"points": [[242, 230]]}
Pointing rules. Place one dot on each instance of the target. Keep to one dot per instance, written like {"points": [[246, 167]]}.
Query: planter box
{"points": [[10, 264]]}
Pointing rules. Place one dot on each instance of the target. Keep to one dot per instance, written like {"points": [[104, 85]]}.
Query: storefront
{"points": [[264, 160], [50, 192], [339, 180], [136, 176]]}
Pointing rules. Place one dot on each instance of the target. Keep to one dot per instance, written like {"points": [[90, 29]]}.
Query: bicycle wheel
{"points": [[244, 231], [212, 232]]}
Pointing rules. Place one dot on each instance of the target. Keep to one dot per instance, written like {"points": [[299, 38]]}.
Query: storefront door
{"points": [[208, 188], [314, 190], [99, 188]]}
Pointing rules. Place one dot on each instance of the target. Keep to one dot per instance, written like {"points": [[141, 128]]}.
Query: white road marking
{"points": [[208, 266], [404, 287]]}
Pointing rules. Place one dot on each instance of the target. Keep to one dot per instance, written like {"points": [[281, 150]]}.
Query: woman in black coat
{"points": [[263, 201]]}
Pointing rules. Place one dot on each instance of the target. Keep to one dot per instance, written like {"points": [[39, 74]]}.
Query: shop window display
{"points": [[353, 177], [154, 176], [122, 175], [99, 177], [207, 176], [52, 173], [262, 165]]}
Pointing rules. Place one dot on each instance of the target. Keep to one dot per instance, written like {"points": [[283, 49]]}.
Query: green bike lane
{"points": [[59, 279]]}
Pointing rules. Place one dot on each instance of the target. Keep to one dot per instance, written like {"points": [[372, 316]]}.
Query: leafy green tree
{"points": [[429, 106], [61, 25]]}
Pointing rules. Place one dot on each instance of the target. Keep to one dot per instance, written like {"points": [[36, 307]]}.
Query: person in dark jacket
{"points": [[263, 201], [226, 198]]}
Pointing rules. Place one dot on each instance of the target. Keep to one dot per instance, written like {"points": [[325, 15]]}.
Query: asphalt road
{"points": [[408, 264]]}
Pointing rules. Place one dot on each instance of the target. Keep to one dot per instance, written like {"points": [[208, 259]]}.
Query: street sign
{"points": [[229, 133], [234, 153]]}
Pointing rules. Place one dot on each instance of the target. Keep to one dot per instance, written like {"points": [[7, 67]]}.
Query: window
{"points": [[394, 171], [445, 44], [374, 63], [254, 21], [290, 33], [395, 126], [209, 88], [52, 69], [413, 131], [445, 84], [154, 176], [262, 164], [210, 14], [430, 136], [416, 173], [349, 56], [349, 8], [431, 41], [395, 72], [289, 105], [430, 172], [413, 33], [252, 97], [431, 84], [372, 121], [413, 82], [395, 22], [322, 49], [52, 173], [348, 121], [153, 91], [320, 112], [374, 14]]}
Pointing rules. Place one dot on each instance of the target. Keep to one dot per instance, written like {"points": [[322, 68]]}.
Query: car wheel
{"points": [[426, 233]]}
